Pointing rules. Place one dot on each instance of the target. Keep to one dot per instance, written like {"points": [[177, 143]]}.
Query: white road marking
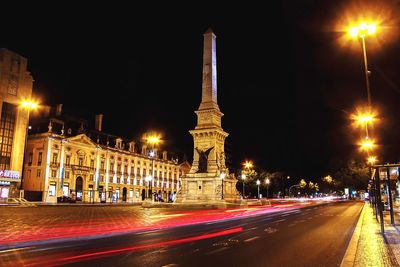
{"points": [[251, 239]]}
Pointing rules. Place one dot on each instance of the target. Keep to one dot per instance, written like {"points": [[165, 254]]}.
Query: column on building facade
{"points": [[135, 172], [115, 168], [61, 171], [129, 171], [97, 175], [167, 178], [107, 170], [47, 171]]}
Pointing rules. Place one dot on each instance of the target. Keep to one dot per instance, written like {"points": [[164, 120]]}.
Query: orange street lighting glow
{"points": [[248, 164], [29, 105], [362, 118], [367, 144], [153, 139], [362, 30], [371, 160]]}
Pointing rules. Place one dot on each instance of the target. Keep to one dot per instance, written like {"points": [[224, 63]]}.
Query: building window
{"points": [[53, 173], [52, 189], [126, 169], [7, 123], [112, 167], [67, 160], [67, 175], [38, 172], [91, 177], [102, 165], [92, 163], [39, 162], [55, 156], [12, 84], [30, 157], [80, 161]]}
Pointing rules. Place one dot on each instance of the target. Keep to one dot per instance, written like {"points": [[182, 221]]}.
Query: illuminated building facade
{"points": [[15, 86], [92, 166]]}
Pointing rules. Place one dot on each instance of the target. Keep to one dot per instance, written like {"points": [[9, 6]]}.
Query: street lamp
{"points": [[362, 31], [258, 188], [243, 178], [222, 175], [27, 105], [267, 181], [153, 141]]}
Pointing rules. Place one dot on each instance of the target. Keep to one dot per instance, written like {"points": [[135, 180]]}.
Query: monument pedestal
{"points": [[207, 188]]}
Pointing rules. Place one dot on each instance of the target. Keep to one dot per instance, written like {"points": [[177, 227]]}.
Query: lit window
{"points": [[38, 172], [52, 189]]}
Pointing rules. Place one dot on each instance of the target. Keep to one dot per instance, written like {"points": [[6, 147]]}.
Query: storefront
{"points": [[9, 181]]}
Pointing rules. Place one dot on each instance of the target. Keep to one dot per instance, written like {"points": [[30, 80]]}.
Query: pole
{"points": [[222, 191], [258, 191], [390, 197], [267, 189], [243, 189], [366, 71], [380, 204], [23, 158]]}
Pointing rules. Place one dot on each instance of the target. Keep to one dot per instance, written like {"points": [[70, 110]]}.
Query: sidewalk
{"points": [[368, 247]]}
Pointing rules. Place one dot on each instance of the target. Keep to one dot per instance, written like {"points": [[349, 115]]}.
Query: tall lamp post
{"points": [[222, 175], [258, 188], [27, 105], [153, 140], [243, 179], [362, 31], [267, 181]]}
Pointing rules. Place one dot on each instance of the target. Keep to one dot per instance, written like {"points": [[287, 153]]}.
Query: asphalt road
{"points": [[311, 236]]}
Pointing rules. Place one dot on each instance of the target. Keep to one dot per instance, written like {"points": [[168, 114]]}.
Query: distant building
{"points": [[15, 86], [66, 159]]}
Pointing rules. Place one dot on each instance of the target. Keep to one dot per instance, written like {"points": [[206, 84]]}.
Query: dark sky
{"points": [[286, 82]]}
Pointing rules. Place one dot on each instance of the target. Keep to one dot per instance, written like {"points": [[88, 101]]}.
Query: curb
{"points": [[350, 255]]}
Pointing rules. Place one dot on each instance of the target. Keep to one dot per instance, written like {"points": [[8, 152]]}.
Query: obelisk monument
{"points": [[208, 179]]}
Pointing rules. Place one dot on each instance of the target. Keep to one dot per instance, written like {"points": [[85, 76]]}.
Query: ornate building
{"points": [[15, 87], [68, 160]]}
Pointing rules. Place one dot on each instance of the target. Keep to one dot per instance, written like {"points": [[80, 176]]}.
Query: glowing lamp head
{"points": [[151, 154], [362, 30], [153, 139], [222, 175], [372, 160], [248, 164], [267, 181], [367, 145], [29, 105], [243, 176], [148, 178], [258, 182]]}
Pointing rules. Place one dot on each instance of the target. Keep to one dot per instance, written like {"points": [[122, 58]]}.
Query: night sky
{"points": [[287, 83]]}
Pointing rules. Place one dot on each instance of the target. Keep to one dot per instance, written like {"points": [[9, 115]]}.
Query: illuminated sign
{"points": [[5, 183], [12, 176]]}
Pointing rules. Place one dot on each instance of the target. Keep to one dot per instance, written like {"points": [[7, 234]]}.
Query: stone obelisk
{"points": [[208, 179]]}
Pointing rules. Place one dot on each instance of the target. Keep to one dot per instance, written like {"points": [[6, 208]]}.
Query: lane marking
{"points": [[251, 239], [216, 251]]}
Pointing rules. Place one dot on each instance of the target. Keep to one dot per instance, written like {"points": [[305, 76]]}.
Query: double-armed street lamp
{"points": [[361, 31]]}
